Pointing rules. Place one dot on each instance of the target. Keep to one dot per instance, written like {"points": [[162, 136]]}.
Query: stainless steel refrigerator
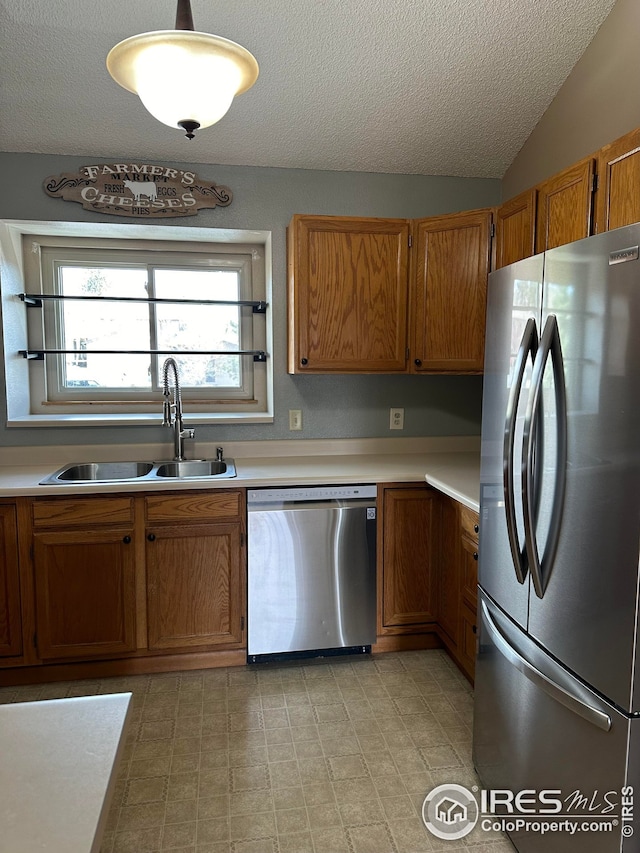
{"points": [[557, 694]]}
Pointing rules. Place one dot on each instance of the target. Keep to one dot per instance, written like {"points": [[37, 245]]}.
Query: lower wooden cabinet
{"points": [[458, 583], [408, 550], [121, 576], [84, 575], [449, 571], [194, 586], [85, 592], [126, 577], [10, 616], [427, 569]]}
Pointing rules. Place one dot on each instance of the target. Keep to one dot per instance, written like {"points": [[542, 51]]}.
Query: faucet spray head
{"points": [[166, 410]]}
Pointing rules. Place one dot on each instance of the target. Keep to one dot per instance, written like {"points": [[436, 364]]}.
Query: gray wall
{"points": [[265, 199], [598, 103]]}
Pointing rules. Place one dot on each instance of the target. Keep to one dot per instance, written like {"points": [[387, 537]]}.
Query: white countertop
{"points": [[57, 770], [450, 465]]}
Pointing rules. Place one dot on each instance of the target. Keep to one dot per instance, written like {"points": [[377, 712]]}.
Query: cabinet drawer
{"points": [[194, 506], [469, 522], [67, 513]]}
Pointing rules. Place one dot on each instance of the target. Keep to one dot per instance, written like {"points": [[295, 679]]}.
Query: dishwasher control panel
{"points": [[311, 493]]}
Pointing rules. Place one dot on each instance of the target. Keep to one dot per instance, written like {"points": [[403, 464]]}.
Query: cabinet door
{"points": [[194, 590], [10, 619], [618, 195], [565, 206], [516, 229], [347, 294], [449, 571], [449, 292], [407, 588], [85, 592]]}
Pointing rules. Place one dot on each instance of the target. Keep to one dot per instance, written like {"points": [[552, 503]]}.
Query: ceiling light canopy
{"points": [[184, 78]]}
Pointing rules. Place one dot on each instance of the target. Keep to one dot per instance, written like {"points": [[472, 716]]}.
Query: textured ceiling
{"points": [[440, 87]]}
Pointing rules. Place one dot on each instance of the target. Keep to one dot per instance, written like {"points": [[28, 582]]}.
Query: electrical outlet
{"points": [[396, 418], [295, 419]]}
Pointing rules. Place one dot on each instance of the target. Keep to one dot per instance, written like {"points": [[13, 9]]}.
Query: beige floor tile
{"points": [[319, 757], [334, 840], [299, 842]]}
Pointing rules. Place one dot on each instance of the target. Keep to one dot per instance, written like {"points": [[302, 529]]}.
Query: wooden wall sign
{"points": [[137, 189]]}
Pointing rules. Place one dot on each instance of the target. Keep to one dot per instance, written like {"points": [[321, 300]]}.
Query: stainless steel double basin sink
{"points": [[135, 472]]}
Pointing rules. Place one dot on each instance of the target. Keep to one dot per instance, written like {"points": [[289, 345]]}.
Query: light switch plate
{"points": [[295, 419]]}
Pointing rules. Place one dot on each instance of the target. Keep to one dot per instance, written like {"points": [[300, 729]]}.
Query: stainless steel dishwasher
{"points": [[312, 571]]}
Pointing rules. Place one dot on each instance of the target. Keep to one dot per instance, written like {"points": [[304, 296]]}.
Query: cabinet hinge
{"points": [[243, 540], [594, 182], [410, 241], [492, 230], [406, 353], [242, 623]]}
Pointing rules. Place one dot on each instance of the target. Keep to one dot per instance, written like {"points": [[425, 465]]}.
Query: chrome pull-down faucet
{"points": [[172, 411]]}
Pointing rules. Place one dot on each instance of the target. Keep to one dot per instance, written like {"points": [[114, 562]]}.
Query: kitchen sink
{"points": [[126, 472], [102, 472], [197, 468]]}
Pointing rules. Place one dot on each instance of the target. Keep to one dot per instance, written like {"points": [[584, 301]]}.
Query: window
{"points": [[111, 311]]}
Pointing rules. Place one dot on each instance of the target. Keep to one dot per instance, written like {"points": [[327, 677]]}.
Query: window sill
{"points": [[151, 419]]}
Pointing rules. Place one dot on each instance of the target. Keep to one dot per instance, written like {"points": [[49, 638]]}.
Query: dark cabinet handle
{"points": [[417, 362], [126, 539], [476, 528], [304, 361], [475, 629], [475, 555], [151, 537]]}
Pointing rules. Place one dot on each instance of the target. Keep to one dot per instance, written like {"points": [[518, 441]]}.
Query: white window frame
{"points": [[27, 400]]}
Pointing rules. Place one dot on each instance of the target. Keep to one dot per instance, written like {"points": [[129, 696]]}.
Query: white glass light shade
{"points": [[181, 75]]}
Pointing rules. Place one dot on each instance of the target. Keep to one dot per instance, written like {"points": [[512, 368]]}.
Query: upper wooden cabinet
{"points": [[10, 618], [565, 205], [347, 294], [516, 229], [357, 304], [449, 292], [618, 195]]}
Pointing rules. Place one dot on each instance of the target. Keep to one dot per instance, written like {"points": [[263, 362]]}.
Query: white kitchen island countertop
{"points": [[57, 770]]}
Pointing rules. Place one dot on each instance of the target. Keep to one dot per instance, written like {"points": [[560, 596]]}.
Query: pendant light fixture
{"points": [[184, 78]]}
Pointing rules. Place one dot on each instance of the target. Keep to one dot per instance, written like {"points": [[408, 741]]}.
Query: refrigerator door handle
{"points": [[549, 346], [560, 694], [528, 345]]}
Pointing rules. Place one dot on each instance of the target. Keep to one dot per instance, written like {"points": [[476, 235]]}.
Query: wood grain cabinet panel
{"points": [[194, 506], [450, 572], [516, 229], [347, 294], [194, 585], [10, 617], [85, 592], [565, 206], [410, 542], [618, 194], [449, 292], [81, 511]]}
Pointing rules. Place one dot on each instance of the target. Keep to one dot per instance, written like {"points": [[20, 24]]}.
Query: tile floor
{"points": [[332, 756]]}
